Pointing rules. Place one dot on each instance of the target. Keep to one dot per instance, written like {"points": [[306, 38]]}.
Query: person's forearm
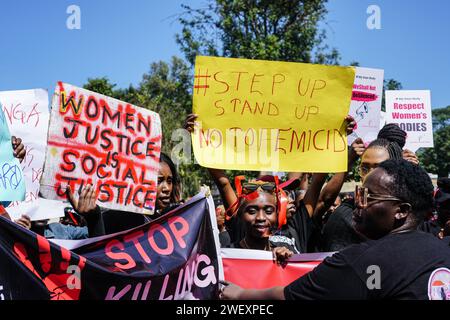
{"points": [[274, 293], [312, 195], [329, 195], [223, 184], [95, 223]]}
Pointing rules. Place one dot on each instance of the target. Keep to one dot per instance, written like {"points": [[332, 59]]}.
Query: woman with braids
{"points": [[338, 232], [102, 221]]}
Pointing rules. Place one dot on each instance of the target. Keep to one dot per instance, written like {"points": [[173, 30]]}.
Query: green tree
{"points": [[389, 84], [165, 89], [437, 160], [286, 30], [101, 85]]}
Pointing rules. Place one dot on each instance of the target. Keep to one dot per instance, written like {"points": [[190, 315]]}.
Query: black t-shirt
{"points": [[410, 265], [430, 226], [303, 230], [224, 239], [105, 221], [338, 233]]}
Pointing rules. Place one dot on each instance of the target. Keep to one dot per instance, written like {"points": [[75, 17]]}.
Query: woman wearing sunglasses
{"points": [[262, 208], [300, 224]]}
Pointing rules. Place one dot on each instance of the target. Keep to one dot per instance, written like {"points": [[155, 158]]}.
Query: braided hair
{"points": [[412, 184], [391, 138]]}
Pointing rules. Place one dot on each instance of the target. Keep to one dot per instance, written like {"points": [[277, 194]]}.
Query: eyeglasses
{"points": [[365, 169], [362, 195], [248, 187]]}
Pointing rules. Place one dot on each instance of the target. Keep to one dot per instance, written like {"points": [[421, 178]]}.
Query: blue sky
{"points": [[119, 39]]}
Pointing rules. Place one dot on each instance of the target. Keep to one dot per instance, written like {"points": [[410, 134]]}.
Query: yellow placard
{"points": [[271, 116]]}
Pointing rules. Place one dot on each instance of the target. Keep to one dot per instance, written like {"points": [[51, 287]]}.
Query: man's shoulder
{"points": [[401, 246]]}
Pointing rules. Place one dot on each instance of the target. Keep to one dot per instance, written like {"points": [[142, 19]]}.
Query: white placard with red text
{"points": [[27, 115]]}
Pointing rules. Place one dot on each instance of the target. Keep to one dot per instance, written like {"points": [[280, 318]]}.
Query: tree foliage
{"points": [[437, 160], [285, 30], [165, 89]]}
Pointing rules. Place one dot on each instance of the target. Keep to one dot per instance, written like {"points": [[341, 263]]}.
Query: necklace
{"points": [[246, 246]]}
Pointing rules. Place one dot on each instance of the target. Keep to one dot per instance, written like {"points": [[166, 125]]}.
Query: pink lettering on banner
{"points": [[172, 235], [363, 96], [200, 273], [17, 112]]}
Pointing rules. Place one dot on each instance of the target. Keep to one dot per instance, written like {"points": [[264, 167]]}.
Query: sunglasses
{"points": [[248, 187], [362, 196], [365, 169]]}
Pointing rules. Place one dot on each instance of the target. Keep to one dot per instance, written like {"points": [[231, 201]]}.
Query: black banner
{"points": [[172, 258]]}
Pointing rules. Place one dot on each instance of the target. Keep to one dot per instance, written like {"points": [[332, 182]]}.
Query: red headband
{"points": [[282, 200]]}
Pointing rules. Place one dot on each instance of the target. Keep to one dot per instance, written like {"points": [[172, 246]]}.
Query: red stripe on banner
{"points": [[260, 274]]}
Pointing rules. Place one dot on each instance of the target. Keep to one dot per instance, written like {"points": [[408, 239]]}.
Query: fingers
{"points": [[410, 156], [358, 146], [351, 124], [229, 291], [349, 118], [84, 198], [190, 122], [73, 202], [222, 285], [87, 199], [24, 221], [18, 148], [224, 282], [92, 198], [281, 255]]}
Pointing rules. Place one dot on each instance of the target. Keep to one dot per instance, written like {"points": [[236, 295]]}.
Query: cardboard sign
{"points": [[366, 103], [12, 182], [411, 110], [95, 139], [27, 115], [271, 116]]}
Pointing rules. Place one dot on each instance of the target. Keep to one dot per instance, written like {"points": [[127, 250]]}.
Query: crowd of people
{"points": [[395, 220]]}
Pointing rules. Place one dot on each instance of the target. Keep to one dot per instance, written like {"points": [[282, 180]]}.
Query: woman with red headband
{"points": [[240, 202]]}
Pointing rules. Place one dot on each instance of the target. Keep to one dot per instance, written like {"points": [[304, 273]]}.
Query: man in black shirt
{"points": [[396, 262], [338, 233]]}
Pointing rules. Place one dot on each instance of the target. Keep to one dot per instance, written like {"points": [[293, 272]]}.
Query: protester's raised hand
{"points": [[189, 123], [220, 216], [281, 255], [410, 156], [18, 148], [351, 124], [229, 291], [86, 202], [358, 147], [24, 221]]}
